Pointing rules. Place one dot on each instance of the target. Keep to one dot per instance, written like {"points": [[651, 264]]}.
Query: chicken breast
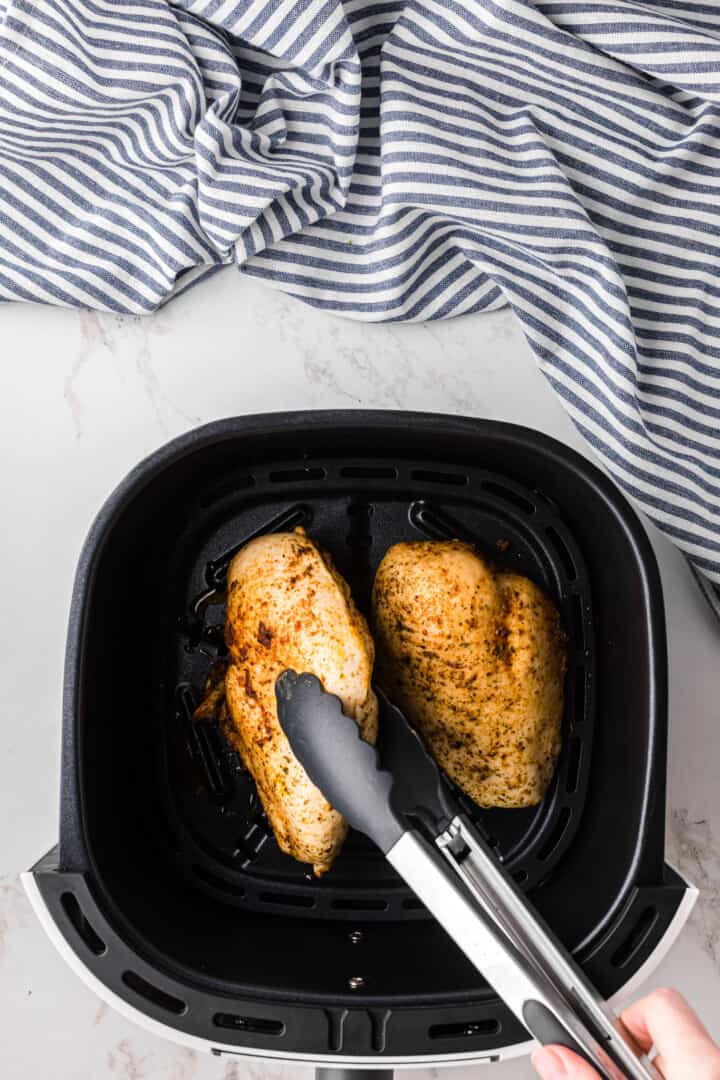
{"points": [[476, 659], [288, 607]]}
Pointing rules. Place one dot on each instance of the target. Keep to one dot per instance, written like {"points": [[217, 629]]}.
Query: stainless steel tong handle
{"points": [[531, 996], [457, 878], [506, 907]]}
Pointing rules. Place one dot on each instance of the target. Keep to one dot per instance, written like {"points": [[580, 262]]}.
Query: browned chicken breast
{"points": [[476, 659], [288, 607]]}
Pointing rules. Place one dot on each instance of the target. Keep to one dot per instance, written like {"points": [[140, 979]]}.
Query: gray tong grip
{"points": [[505, 905], [544, 1026], [527, 992], [330, 748]]}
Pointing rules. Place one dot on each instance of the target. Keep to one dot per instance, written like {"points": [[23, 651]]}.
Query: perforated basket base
{"points": [[357, 508]]}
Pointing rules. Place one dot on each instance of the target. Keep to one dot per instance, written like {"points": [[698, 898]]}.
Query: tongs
{"points": [[399, 798]]}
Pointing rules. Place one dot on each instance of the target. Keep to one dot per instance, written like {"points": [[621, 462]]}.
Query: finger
{"points": [[558, 1063], [661, 1065], [665, 1020]]}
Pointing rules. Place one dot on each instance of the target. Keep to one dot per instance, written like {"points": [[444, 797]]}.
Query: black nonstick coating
{"points": [[357, 507], [166, 882]]}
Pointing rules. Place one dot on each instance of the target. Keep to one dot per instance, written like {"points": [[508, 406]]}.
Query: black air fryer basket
{"points": [[166, 890]]}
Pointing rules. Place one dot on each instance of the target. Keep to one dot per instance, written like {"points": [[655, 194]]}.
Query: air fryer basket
{"points": [[167, 884]]}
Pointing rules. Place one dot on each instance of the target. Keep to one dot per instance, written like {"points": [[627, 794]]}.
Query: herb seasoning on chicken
{"points": [[476, 659], [287, 607]]}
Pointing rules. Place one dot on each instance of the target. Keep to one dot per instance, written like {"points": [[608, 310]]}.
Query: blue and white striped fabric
{"points": [[399, 161]]}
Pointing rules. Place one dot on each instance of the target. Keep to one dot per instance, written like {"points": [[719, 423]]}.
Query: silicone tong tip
{"points": [[329, 746]]}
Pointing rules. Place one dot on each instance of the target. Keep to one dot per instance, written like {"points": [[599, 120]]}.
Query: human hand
{"points": [[664, 1020]]}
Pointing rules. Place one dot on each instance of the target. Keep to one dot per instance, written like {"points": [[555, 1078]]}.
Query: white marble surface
{"points": [[82, 398]]}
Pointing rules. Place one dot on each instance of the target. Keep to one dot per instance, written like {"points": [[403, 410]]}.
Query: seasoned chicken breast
{"points": [[476, 659], [288, 607]]}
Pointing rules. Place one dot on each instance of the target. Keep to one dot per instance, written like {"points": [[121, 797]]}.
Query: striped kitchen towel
{"points": [[399, 161]]}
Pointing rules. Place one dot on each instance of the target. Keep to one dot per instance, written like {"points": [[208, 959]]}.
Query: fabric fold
{"points": [[398, 161]]}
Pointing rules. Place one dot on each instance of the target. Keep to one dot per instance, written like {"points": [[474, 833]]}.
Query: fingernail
{"points": [[549, 1064]]}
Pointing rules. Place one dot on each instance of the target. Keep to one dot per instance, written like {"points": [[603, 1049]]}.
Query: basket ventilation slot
{"points": [[74, 912], [466, 1029], [296, 476], [258, 1025], [288, 899], [508, 495], [574, 753], [369, 472], [350, 904], [579, 710], [154, 994], [429, 476]]}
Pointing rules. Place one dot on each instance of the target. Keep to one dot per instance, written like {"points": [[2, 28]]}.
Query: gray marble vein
{"points": [[83, 398]]}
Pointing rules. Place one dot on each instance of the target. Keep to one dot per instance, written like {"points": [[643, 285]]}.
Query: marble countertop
{"points": [[82, 398]]}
